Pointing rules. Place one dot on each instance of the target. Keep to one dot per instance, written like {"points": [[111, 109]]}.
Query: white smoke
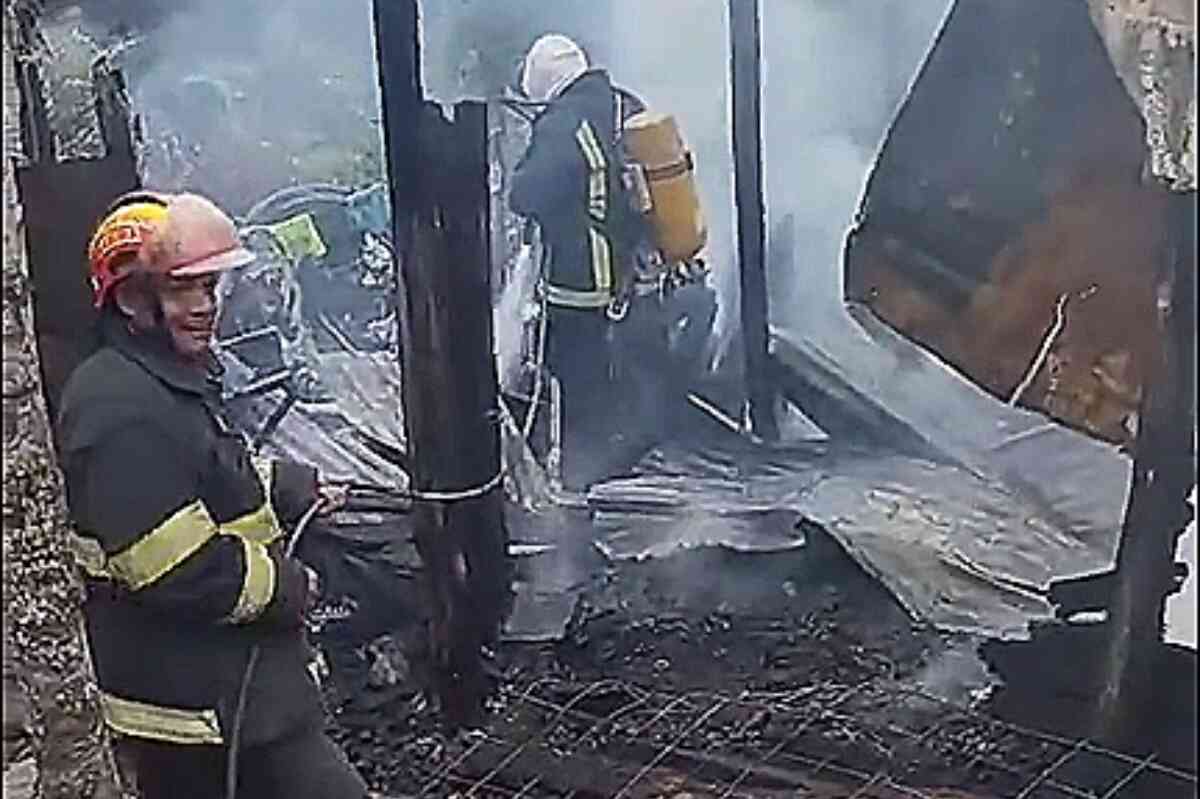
{"points": [[240, 99], [303, 101], [835, 74]]}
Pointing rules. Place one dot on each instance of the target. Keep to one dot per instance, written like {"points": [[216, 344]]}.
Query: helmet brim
{"points": [[221, 262]]}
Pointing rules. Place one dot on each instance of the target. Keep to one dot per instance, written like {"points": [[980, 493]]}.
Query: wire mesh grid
{"points": [[617, 740]]}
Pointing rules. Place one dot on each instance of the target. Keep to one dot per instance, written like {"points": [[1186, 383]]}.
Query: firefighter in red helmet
{"points": [[179, 530]]}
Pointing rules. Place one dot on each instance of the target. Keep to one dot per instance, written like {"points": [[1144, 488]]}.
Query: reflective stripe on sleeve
{"points": [[600, 248], [159, 551], [158, 723], [593, 154], [572, 298], [258, 583], [260, 526]]}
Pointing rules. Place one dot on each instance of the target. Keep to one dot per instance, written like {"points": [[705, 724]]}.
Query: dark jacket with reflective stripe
{"points": [[192, 578], [568, 181]]}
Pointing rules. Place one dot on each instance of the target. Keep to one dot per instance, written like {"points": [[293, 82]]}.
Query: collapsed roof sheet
{"points": [[956, 549], [969, 542]]}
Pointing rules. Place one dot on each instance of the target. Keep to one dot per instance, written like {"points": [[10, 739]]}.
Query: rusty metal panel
{"points": [[1007, 225]]}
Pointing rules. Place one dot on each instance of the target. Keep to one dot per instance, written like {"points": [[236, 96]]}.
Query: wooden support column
{"points": [[63, 200], [745, 46], [1164, 473], [438, 173]]}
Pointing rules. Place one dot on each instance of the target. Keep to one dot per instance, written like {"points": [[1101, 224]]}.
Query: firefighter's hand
{"points": [[331, 498]]}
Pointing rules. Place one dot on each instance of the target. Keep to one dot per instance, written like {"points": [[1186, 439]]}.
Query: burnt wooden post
{"points": [[745, 45], [63, 200], [438, 174], [1164, 473]]}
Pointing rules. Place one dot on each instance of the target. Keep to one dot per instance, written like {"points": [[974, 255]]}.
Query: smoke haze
{"points": [[240, 99]]}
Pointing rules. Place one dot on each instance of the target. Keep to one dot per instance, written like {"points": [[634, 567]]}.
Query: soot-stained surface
{"points": [[713, 672]]}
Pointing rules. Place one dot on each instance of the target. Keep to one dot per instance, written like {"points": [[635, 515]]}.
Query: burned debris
{"points": [[834, 693]]}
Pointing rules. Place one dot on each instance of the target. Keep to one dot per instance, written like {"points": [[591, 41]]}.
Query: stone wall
{"points": [[1152, 44], [55, 745]]}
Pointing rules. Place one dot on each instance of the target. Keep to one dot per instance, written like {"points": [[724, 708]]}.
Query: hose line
{"points": [[235, 734]]}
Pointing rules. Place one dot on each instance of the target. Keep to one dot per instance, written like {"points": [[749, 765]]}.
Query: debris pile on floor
{"points": [[808, 680]]}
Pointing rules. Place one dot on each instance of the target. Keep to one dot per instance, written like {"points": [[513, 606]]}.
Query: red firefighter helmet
{"points": [[181, 235], [123, 230]]}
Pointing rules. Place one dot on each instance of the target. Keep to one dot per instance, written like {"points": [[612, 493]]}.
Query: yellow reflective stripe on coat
{"points": [[260, 526], [601, 260], [158, 723], [159, 551], [258, 583], [573, 298], [593, 154], [598, 244]]}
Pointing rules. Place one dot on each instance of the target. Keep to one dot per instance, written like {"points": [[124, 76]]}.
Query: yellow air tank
{"points": [[653, 142]]}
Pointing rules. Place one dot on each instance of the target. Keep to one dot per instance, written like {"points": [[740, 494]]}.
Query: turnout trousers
{"points": [[615, 389], [303, 766]]}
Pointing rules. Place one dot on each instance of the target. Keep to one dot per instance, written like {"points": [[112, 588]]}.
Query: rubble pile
{"points": [[813, 682]]}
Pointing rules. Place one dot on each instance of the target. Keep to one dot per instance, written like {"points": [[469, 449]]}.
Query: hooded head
{"points": [[553, 63]]}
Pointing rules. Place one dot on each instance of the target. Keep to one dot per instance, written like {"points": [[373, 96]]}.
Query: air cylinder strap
{"points": [[672, 170]]}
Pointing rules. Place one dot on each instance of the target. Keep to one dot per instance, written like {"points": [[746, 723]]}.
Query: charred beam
{"points": [[37, 139], [63, 199], [398, 56], [437, 170], [1164, 473], [119, 128], [745, 48]]}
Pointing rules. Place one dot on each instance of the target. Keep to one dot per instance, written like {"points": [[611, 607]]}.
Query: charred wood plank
{"points": [[36, 137], [745, 46], [398, 59], [839, 408], [1164, 473], [63, 200], [437, 170], [120, 130]]}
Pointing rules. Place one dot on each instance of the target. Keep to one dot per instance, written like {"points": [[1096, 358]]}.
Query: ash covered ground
{"points": [[716, 673]]}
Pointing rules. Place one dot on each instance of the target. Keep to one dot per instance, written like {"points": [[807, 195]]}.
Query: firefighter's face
{"points": [[188, 313]]}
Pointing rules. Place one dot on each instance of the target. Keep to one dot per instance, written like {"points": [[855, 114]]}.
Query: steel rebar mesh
{"points": [[556, 738]]}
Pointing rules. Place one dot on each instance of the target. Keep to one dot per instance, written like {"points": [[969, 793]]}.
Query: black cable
{"points": [[275, 419], [235, 733]]}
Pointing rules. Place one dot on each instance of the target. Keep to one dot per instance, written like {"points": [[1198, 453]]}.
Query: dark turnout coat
{"points": [[180, 534], [569, 182]]}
